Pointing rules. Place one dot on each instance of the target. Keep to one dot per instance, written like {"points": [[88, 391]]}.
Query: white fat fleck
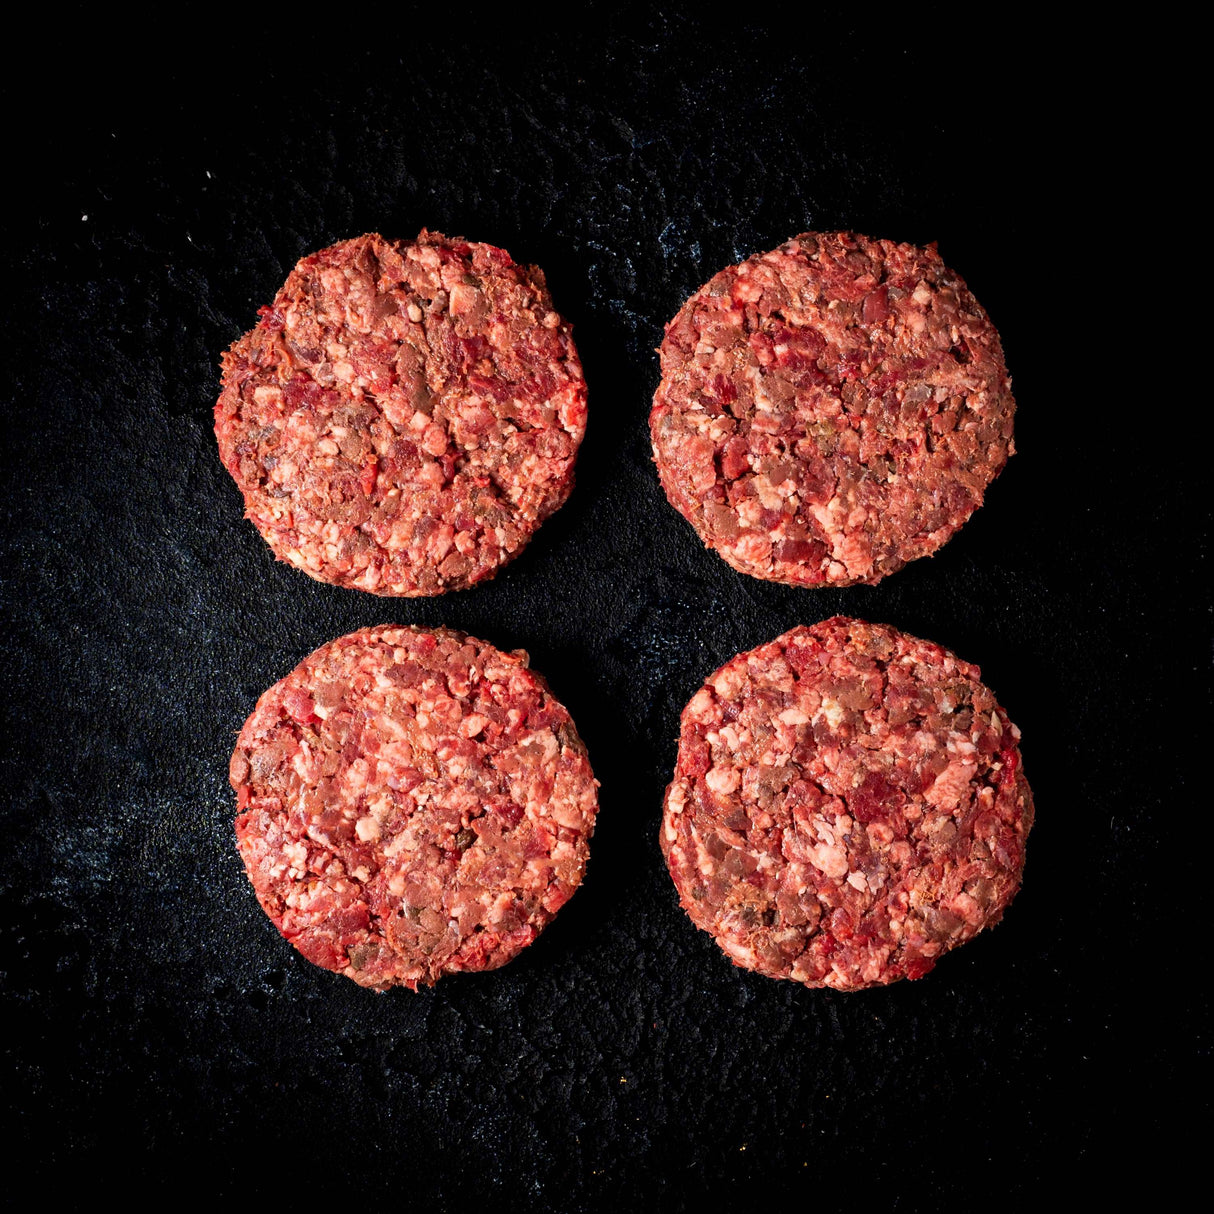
{"points": [[567, 814], [728, 681], [703, 860], [401, 843], [722, 780], [742, 952], [381, 807], [472, 725], [832, 710], [828, 516], [793, 716], [830, 859], [731, 736], [750, 511], [949, 786], [769, 496], [367, 829], [857, 881], [752, 548]]}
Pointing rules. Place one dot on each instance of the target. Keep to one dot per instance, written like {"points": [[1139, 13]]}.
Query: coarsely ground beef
{"points": [[831, 410], [405, 415], [848, 804], [412, 802]]}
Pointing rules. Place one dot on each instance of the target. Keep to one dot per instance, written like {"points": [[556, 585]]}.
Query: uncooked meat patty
{"points": [[848, 805], [831, 410], [411, 802], [405, 415]]}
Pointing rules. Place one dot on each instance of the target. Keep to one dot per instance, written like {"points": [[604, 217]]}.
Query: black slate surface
{"points": [[161, 1035]]}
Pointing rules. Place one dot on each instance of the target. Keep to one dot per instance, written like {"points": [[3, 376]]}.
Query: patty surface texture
{"points": [[412, 802], [831, 410], [848, 804], [405, 414]]}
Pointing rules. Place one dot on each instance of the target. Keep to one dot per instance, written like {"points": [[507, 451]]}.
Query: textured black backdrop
{"points": [[160, 1033]]}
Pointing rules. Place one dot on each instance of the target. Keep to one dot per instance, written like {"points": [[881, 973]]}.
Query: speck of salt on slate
{"points": [[161, 1034]]}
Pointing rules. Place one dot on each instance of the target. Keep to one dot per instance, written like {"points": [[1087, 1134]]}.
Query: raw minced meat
{"points": [[848, 804], [831, 410], [412, 802], [405, 415]]}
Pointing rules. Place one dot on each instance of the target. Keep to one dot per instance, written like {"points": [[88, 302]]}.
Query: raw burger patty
{"points": [[411, 802], [848, 805], [831, 410], [405, 415]]}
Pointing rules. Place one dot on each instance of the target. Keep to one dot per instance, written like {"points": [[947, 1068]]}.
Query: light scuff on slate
{"points": [[848, 805], [412, 802], [831, 410], [405, 415]]}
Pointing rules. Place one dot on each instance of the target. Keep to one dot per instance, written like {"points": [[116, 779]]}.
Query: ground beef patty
{"points": [[405, 415], [848, 805], [831, 410], [412, 802]]}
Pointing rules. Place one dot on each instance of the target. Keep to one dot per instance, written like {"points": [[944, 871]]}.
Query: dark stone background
{"points": [[161, 1035]]}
